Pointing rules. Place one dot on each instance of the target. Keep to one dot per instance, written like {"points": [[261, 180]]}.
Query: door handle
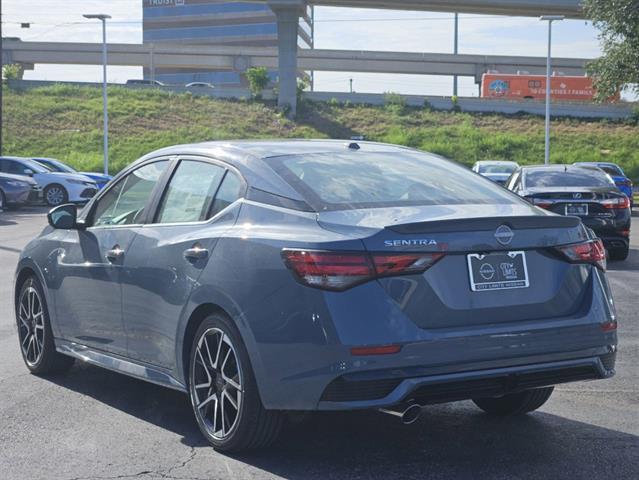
{"points": [[196, 252], [114, 254]]}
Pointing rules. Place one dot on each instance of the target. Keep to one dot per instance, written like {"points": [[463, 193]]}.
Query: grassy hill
{"points": [[66, 122]]}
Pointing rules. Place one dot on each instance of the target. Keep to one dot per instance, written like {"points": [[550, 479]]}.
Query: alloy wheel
{"points": [[55, 196], [217, 383], [31, 326]]}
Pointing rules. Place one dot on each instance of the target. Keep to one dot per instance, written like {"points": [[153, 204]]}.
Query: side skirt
{"points": [[118, 364]]}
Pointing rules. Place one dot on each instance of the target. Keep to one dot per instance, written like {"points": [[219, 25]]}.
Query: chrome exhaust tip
{"points": [[408, 414]]}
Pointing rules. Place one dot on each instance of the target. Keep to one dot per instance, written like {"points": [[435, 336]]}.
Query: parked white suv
{"points": [[58, 187]]}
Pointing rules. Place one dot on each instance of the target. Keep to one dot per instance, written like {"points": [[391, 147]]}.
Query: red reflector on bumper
{"points": [[383, 350], [609, 326]]}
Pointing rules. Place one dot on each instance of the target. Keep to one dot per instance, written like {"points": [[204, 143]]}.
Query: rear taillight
{"points": [[592, 252], [616, 203], [540, 202], [342, 270]]}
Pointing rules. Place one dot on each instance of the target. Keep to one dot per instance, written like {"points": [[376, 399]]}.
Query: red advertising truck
{"points": [[526, 86]]}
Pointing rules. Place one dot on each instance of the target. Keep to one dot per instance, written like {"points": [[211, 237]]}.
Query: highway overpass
{"points": [[288, 12], [569, 8], [232, 58]]}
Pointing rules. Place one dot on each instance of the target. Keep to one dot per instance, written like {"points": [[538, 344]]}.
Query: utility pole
{"points": [[456, 50], [103, 18], [1, 83], [549, 19]]}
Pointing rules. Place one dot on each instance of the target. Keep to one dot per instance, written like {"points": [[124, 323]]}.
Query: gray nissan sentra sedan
{"points": [[266, 277]]}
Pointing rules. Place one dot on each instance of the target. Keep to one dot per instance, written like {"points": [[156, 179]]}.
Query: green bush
{"points": [[395, 102], [12, 71], [258, 80]]}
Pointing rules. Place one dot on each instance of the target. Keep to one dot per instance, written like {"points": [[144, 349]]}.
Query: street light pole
{"points": [[103, 18], [456, 51], [549, 19]]}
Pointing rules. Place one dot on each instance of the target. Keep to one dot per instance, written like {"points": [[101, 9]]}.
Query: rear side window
{"points": [[349, 180], [190, 192], [229, 191], [569, 178]]}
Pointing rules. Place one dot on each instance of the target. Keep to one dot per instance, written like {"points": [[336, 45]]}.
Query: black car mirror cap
{"points": [[64, 217]]}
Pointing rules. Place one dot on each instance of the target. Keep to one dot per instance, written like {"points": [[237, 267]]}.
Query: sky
{"points": [[335, 28]]}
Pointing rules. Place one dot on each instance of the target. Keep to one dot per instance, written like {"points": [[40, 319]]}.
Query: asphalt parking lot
{"points": [[94, 424]]}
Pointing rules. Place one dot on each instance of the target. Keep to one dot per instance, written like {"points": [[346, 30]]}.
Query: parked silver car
{"points": [[496, 170], [58, 187], [18, 190]]}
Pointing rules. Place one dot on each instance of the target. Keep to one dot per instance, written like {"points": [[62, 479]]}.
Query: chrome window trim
{"points": [[206, 159]]}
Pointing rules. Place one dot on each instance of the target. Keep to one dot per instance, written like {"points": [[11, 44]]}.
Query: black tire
{"points": [[55, 200], [620, 253], [515, 403], [3, 201], [254, 427], [47, 360]]}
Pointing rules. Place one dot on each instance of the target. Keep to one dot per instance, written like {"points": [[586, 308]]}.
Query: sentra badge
{"points": [[410, 243]]}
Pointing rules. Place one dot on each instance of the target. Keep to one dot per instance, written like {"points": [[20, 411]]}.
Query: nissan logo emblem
{"points": [[504, 235]]}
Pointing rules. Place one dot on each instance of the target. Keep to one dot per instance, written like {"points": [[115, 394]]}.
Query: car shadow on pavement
{"points": [[449, 441], [157, 405], [4, 221]]}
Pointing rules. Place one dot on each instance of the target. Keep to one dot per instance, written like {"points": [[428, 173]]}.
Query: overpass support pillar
{"points": [[288, 13]]}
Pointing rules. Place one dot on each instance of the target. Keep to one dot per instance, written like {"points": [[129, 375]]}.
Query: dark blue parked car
{"points": [[57, 166], [267, 277], [617, 174]]}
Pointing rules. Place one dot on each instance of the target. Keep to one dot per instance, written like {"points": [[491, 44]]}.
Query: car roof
{"points": [[608, 164], [556, 168], [246, 156], [276, 148]]}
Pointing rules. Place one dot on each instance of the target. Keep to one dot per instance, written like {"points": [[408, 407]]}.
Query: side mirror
{"points": [[63, 217], [28, 171]]}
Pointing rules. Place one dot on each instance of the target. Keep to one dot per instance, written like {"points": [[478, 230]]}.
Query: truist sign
{"points": [[163, 3]]}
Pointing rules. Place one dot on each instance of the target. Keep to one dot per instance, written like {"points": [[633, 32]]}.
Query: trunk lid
{"points": [[443, 296]]}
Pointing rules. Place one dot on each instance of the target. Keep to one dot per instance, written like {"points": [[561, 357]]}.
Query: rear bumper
{"points": [[304, 362], [36, 196], [350, 392], [615, 241]]}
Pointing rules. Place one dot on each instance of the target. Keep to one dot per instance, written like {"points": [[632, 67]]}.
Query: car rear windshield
{"points": [[350, 180], [497, 169], [568, 178], [612, 170]]}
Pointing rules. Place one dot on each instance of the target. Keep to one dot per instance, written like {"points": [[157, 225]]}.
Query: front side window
{"points": [[190, 192], [125, 202], [351, 180]]}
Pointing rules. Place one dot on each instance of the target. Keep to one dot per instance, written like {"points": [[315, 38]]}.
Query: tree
{"points": [[12, 71], [258, 80], [618, 23]]}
